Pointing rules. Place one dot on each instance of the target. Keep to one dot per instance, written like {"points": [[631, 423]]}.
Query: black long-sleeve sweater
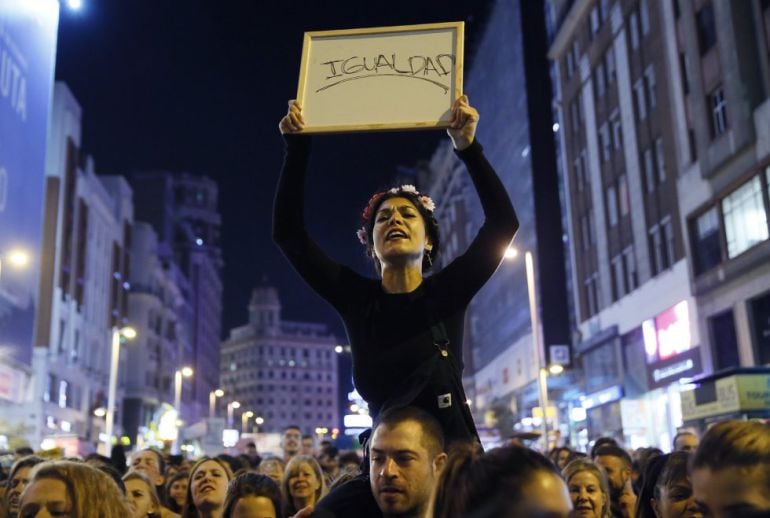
{"points": [[395, 360]]}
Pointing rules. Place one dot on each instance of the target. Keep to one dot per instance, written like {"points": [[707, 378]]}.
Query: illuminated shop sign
{"points": [[671, 370], [607, 395], [668, 334]]}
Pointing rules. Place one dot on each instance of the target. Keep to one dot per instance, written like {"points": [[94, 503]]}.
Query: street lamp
{"points": [[245, 419], [230, 407], [17, 258], [542, 372], [260, 421], [185, 372], [129, 333], [213, 395]]}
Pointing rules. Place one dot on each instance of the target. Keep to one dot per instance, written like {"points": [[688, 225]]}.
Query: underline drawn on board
{"points": [[414, 67]]}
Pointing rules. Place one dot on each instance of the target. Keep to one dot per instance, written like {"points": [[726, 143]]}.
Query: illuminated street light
{"points": [[556, 369], [100, 412], [17, 258], [125, 332], [75, 5], [245, 420], [185, 372], [213, 395], [230, 407], [259, 420]]}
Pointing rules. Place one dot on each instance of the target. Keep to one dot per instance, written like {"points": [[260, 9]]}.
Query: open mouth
{"points": [[395, 234]]}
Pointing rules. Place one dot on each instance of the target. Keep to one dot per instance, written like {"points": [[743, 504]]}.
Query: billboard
{"points": [[27, 58]]}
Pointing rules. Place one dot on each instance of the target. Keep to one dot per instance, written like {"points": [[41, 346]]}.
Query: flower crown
{"points": [[425, 200]]}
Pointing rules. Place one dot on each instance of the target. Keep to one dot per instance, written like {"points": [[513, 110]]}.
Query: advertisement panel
{"points": [[27, 57]]}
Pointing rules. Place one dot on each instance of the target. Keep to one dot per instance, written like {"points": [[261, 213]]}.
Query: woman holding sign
{"points": [[405, 328]]}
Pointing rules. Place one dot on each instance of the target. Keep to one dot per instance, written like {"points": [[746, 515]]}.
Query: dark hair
{"points": [[113, 473], [235, 463], [488, 485], [24, 462], [24, 451], [602, 441], [660, 472], [252, 484], [431, 225], [681, 434], [735, 443], [169, 502], [614, 451], [432, 434], [330, 451]]}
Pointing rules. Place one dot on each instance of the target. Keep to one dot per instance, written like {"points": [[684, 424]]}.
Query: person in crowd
{"points": [[560, 456], [118, 458], [308, 445], [290, 442], [72, 489], [419, 361], [110, 471], [21, 452], [303, 483], [18, 479], [330, 463], [616, 462], [588, 489], [273, 467], [142, 498], [640, 460], [152, 464], [602, 441], [730, 470], [666, 491], [252, 454], [176, 492], [685, 440], [507, 482], [252, 495], [207, 488], [350, 462]]}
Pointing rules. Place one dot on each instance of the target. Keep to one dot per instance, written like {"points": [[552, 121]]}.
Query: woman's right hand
{"points": [[292, 122]]}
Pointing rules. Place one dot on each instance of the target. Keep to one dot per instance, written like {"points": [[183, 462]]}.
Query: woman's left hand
{"points": [[463, 120]]}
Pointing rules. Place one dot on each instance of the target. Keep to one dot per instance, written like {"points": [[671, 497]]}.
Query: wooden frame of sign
{"points": [[381, 78]]}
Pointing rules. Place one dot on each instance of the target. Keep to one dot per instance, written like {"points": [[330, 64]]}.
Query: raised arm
{"points": [[472, 269], [289, 232]]}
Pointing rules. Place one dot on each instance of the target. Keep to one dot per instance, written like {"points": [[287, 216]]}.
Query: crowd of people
{"points": [[410, 472]]}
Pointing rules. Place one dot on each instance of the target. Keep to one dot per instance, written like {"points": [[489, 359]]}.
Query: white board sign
{"points": [[381, 78]]}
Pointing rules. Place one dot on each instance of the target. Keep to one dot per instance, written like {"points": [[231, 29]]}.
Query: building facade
{"points": [[284, 372], [651, 156], [182, 209], [84, 283]]}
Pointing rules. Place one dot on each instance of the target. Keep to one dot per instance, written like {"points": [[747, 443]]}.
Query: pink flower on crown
{"points": [[409, 188], [361, 233], [427, 203]]}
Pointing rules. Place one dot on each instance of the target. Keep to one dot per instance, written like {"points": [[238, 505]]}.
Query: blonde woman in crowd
{"points": [[303, 484], [273, 467], [66, 488], [142, 497], [588, 489], [207, 488]]}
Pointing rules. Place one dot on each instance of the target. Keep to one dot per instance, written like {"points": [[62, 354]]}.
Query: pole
{"points": [[178, 393], [110, 417], [542, 373], [244, 419], [212, 404], [230, 415]]}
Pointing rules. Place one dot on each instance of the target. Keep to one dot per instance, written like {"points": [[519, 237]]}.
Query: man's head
{"points": [[308, 445], [290, 441], [616, 462], [686, 441], [730, 470], [151, 463], [407, 454], [251, 449]]}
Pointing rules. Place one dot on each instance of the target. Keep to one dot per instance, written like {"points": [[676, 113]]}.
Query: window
{"points": [[601, 366], [706, 27], [683, 72], [649, 170], [745, 217], [618, 278], [633, 29], [641, 103], [668, 240], [576, 117], [644, 17], [718, 112], [599, 79], [612, 206], [724, 340], [649, 79], [623, 200], [595, 21], [579, 179], [629, 262], [657, 257], [569, 64], [617, 130], [63, 393], [50, 389], [707, 246], [585, 232], [592, 294], [609, 64], [75, 351], [604, 142], [660, 159]]}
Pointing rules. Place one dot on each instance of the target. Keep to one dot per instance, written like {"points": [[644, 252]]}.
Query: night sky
{"points": [[199, 86]]}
